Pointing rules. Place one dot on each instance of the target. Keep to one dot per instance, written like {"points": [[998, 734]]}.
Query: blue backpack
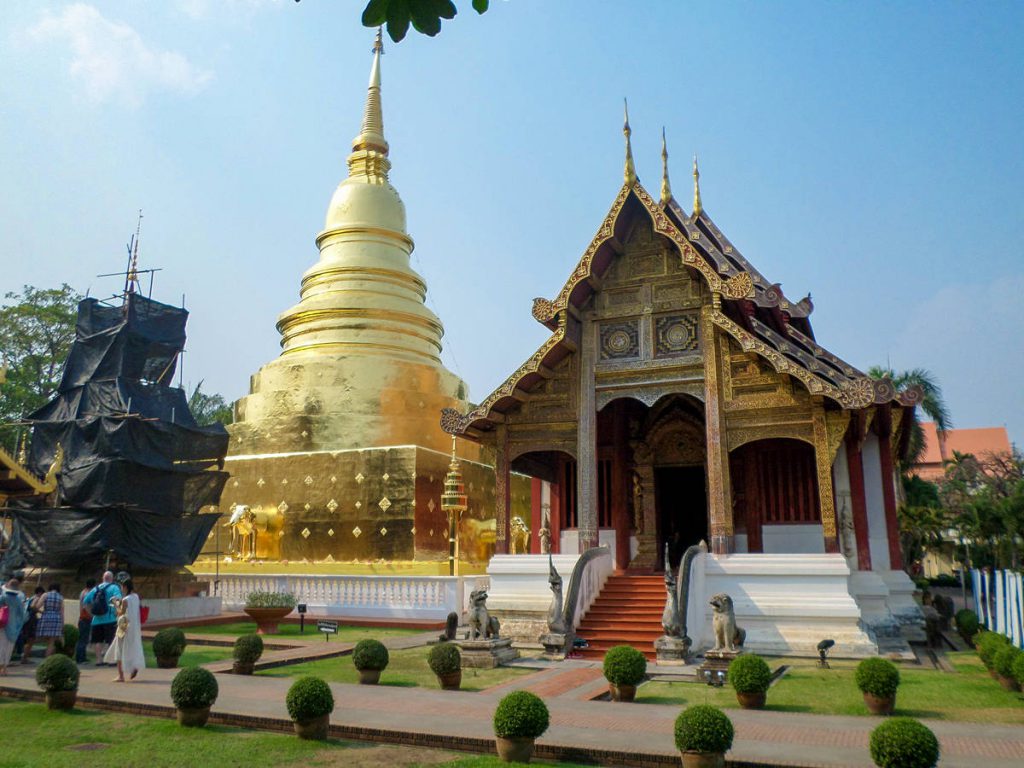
{"points": [[100, 606]]}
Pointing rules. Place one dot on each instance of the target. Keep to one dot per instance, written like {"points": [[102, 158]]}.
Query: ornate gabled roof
{"points": [[767, 321]]}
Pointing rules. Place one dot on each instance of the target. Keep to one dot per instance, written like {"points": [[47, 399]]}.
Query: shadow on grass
{"points": [[919, 713], [788, 707]]}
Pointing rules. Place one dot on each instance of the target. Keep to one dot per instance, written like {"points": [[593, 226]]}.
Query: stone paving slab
{"points": [[606, 732]]}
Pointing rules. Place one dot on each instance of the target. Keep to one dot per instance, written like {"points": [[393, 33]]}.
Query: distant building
{"points": [[939, 447]]}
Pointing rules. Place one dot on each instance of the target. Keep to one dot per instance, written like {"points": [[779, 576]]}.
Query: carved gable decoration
{"points": [[620, 340]]}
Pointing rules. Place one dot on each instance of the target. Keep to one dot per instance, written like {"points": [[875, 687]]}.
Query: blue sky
{"points": [[869, 153]]}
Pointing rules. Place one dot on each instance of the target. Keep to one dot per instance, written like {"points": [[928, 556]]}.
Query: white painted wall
{"points": [[793, 539], [844, 507], [570, 541], [878, 537]]}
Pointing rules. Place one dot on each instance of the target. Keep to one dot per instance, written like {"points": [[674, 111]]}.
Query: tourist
{"points": [[84, 622], [33, 609], [104, 623], [126, 650], [51, 618], [12, 611]]}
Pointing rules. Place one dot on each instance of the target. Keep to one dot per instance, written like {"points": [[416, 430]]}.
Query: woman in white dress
{"points": [[126, 650]]}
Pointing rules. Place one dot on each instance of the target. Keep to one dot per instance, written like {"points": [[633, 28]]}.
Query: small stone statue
{"points": [[481, 623], [520, 536], [728, 636], [451, 626], [544, 534], [556, 621], [671, 621]]}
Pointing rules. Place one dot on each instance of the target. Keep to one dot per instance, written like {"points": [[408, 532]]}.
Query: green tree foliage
{"points": [[424, 15], [37, 327], [932, 404], [924, 522], [208, 409]]}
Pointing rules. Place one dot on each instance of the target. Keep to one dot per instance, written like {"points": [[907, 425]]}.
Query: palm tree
{"points": [[932, 404]]}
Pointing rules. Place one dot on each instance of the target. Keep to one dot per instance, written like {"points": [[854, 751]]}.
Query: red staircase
{"points": [[627, 612]]}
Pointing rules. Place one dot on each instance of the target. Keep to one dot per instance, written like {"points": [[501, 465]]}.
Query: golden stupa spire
{"points": [[630, 173], [697, 208], [369, 148], [666, 188]]}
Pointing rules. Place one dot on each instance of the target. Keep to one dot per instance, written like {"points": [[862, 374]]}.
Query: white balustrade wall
{"points": [[595, 574], [427, 598], [999, 602]]}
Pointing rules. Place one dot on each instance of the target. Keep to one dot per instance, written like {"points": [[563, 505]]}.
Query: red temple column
{"points": [[536, 515], [888, 470], [858, 499]]}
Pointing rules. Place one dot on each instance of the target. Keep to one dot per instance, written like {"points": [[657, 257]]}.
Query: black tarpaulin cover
{"points": [[117, 397]]}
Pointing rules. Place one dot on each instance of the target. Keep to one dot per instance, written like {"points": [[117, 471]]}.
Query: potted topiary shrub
{"points": [[168, 645], [988, 644], [903, 742], [370, 657], [521, 717], [703, 735], [446, 662], [625, 668], [1002, 665], [268, 608], [878, 680], [193, 692], [750, 676], [58, 677], [66, 644], [247, 651], [310, 703], [967, 624]]}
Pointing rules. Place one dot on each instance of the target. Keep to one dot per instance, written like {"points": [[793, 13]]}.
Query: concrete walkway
{"points": [[591, 731]]}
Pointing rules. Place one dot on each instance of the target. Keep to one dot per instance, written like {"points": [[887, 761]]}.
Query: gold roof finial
{"points": [[697, 208], [630, 173], [666, 188], [369, 148]]}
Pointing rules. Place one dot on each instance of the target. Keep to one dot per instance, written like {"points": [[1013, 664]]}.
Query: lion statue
{"points": [[520, 536], [481, 623], [728, 637]]}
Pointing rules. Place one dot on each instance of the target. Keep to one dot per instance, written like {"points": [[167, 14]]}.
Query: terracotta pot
{"points": [[193, 718], [514, 749], [369, 676], [267, 619], [752, 700], [315, 729], [167, 662], [62, 700], [622, 692], [243, 667], [450, 682], [703, 759], [1009, 683], [879, 706]]}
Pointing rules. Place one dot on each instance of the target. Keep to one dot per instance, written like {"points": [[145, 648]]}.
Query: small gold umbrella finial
{"points": [[666, 187], [697, 208], [630, 173]]}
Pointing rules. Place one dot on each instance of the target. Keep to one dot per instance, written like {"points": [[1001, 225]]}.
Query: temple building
{"points": [[336, 453], [683, 397]]}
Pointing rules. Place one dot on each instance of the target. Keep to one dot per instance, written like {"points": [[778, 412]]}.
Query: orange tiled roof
{"points": [[978, 442]]}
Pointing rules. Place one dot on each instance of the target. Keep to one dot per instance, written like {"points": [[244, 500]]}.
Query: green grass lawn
{"points": [[969, 695], [346, 634], [38, 738], [193, 655], [406, 669]]}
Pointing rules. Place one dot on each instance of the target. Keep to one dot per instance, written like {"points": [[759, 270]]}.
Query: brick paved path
{"points": [[606, 732]]}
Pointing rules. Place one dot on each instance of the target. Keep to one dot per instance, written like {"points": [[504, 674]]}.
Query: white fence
{"points": [[999, 603], [390, 597]]}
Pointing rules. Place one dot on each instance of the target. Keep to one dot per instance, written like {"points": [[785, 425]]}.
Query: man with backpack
{"points": [[100, 602]]}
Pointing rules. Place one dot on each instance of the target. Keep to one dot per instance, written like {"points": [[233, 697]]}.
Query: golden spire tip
{"points": [[630, 171], [697, 208], [666, 187]]}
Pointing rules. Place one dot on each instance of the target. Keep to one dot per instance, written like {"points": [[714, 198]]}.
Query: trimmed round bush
{"points": [[903, 742], [967, 623], [248, 649], [370, 654], [704, 728], [57, 673], [879, 677], [66, 644], [260, 599], [989, 643], [749, 673], [1018, 669], [521, 715], [194, 688], [624, 665], [168, 643], [444, 659], [1004, 660], [308, 699]]}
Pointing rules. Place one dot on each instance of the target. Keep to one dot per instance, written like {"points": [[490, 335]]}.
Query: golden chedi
{"points": [[337, 450]]}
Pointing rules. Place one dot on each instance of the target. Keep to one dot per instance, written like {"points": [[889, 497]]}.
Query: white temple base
{"points": [[903, 606], [520, 597]]}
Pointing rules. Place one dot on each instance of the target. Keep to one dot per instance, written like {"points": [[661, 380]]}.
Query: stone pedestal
{"points": [[672, 650], [487, 654], [554, 645], [716, 662]]}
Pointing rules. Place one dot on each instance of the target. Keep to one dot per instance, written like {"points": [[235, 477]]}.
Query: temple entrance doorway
{"points": [[681, 502]]}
